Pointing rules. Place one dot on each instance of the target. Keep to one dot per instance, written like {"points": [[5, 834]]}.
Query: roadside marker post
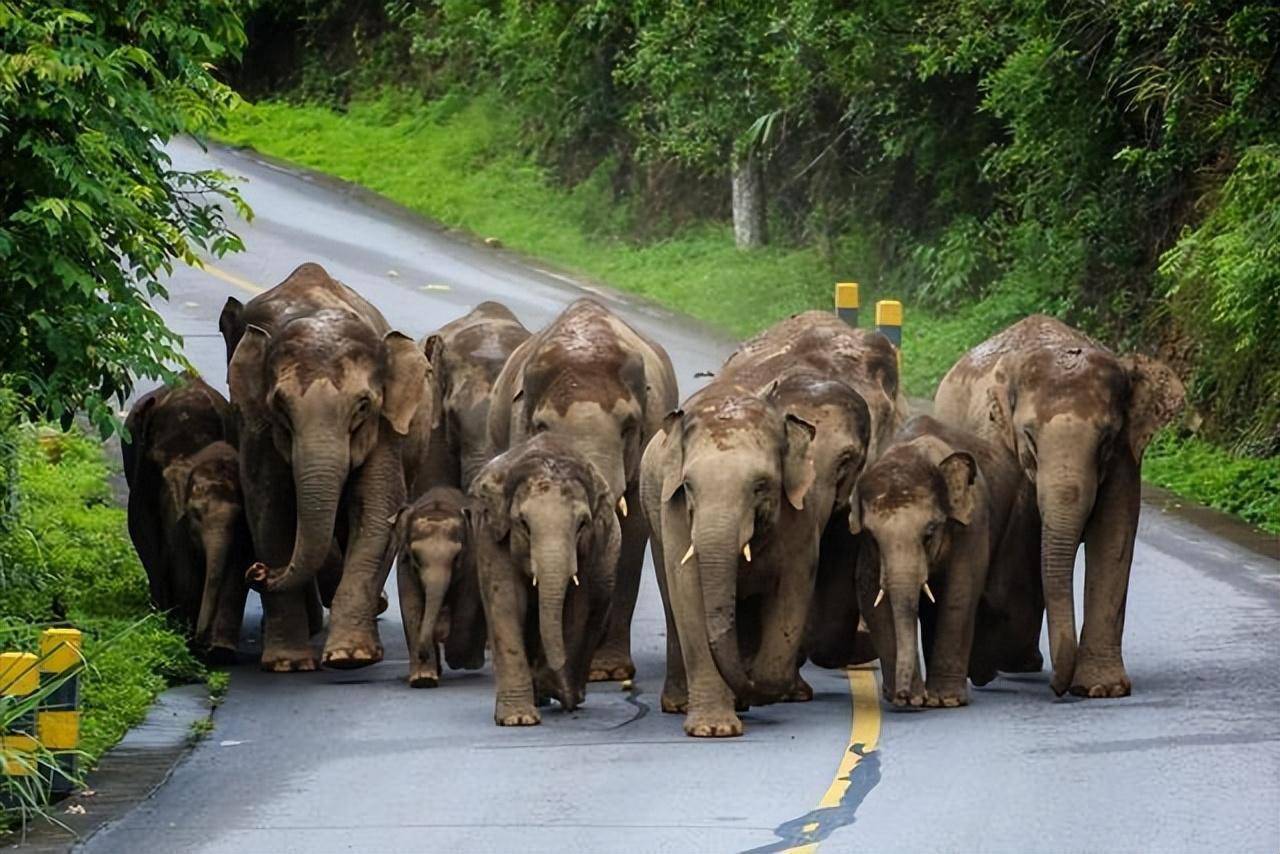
{"points": [[847, 302], [58, 724], [889, 320], [19, 678]]}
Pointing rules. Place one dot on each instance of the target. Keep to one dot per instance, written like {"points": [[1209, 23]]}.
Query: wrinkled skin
{"points": [[594, 380], [439, 593], [325, 395], [466, 357], [1078, 418], [726, 489], [547, 540], [186, 513], [817, 342], [944, 508]]}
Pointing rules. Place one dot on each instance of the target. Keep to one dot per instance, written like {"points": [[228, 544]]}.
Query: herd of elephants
{"points": [[795, 509]]}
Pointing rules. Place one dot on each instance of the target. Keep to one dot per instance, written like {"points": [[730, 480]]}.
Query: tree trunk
{"points": [[749, 202]]}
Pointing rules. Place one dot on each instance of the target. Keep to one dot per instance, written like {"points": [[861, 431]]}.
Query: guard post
{"points": [[58, 721], [889, 320], [19, 679], [847, 302]]}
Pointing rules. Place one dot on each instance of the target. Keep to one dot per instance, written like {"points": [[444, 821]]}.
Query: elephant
{"points": [[1077, 417], [439, 593], [186, 511], [728, 487], [590, 377], [542, 519], [946, 518], [866, 362], [466, 356], [326, 394]]}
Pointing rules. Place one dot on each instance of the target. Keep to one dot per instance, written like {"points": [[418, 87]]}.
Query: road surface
{"points": [[357, 761]]}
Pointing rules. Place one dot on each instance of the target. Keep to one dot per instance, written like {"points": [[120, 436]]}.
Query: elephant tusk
{"points": [[929, 593], [879, 598], [622, 506], [535, 581], [575, 581], [746, 552], [687, 555]]}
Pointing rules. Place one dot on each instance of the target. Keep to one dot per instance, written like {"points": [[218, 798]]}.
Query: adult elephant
{"points": [[819, 343], [1078, 417], [326, 393], [590, 377], [466, 357]]}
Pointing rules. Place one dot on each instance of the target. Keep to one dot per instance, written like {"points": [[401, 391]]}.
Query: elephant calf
{"points": [[186, 511], [439, 596], [543, 521], [945, 515]]}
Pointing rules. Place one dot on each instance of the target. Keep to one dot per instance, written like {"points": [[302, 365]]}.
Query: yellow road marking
{"points": [[865, 731], [231, 278]]}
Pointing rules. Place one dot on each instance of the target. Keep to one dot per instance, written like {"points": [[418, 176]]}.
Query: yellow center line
{"points": [[230, 278], [865, 731]]}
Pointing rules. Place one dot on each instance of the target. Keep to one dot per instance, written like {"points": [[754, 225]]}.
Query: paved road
{"points": [[357, 761]]}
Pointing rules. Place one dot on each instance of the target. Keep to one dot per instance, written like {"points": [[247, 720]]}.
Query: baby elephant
{"points": [[547, 537], [946, 515], [186, 511], [439, 596]]}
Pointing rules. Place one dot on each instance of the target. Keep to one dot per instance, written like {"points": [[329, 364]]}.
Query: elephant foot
{"points": [[1098, 679], [611, 667], [517, 716], [674, 704], [946, 695], [351, 657], [286, 663], [800, 692], [902, 699], [424, 677], [713, 725]]}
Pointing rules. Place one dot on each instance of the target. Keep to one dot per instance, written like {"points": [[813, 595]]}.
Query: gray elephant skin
{"points": [[1078, 418], [325, 394], [186, 511], [594, 380]]}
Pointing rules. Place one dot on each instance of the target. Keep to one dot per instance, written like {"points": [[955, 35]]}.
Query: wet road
{"points": [[357, 761]]}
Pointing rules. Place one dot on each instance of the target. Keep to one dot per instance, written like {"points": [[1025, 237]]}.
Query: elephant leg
{"points": [[612, 660], [375, 495], [711, 703], [1108, 544], [782, 626], [832, 630], [330, 575], [464, 648], [224, 636], [948, 663], [423, 672], [675, 689], [506, 603], [269, 507]]}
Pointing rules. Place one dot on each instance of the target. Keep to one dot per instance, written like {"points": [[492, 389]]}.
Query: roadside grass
{"points": [[66, 558], [459, 161]]}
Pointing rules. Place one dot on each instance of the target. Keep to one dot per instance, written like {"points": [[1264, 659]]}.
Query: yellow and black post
{"points": [[19, 679], [847, 302], [58, 721], [889, 320]]}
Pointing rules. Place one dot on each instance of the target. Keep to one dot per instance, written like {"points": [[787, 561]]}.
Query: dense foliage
{"points": [[1107, 161], [92, 213]]}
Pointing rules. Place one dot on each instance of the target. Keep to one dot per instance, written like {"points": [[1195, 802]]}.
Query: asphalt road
{"points": [[357, 761]]}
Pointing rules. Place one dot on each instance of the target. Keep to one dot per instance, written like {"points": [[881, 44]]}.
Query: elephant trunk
{"points": [[904, 599], [216, 536], [555, 565], [320, 467], [435, 584], [1065, 503]]}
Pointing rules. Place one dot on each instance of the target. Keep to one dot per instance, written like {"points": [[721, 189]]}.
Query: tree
{"points": [[92, 214]]}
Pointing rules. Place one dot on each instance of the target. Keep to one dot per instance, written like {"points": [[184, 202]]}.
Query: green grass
{"points": [[458, 160], [65, 558]]}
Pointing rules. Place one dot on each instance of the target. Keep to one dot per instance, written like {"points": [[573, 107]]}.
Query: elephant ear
{"points": [[489, 501], [959, 473], [855, 510], [230, 325], [798, 471], [246, 374], [672, 454], [1156, 395], [405, 387], [177, 481], [433, 348], [134, 445], [1000, 414]]}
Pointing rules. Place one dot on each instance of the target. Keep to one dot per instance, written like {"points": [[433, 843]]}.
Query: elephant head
{"points": [[910, 502], [555, 512], [730, 462], [328, 389], [1071, 414]]}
